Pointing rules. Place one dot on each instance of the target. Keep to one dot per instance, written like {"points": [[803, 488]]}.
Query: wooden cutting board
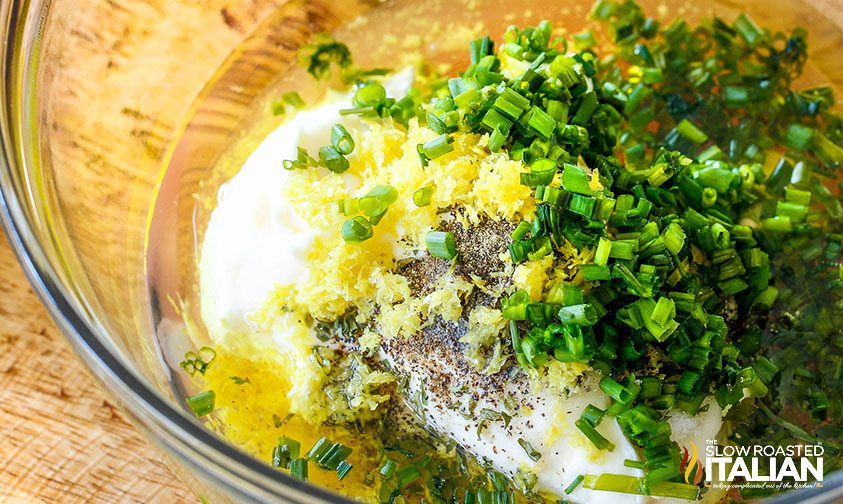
{"points": [[61, 440]]}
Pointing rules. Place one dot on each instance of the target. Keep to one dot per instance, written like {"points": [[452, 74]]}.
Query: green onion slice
{"points": [[202, 403], [376, 201], [441, 244], [356, 230]]}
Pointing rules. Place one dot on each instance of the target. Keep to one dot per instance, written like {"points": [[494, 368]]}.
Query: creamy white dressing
{"points": [[548, 426], [255, 241]]}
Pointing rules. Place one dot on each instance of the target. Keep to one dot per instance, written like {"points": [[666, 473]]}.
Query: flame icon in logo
{"points": [[691, 465]]}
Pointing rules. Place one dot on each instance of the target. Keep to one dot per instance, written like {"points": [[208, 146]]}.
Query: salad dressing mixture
{"points": [[547, 277]]}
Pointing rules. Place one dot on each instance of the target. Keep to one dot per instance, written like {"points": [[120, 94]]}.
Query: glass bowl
{"points": [[116, 115]]}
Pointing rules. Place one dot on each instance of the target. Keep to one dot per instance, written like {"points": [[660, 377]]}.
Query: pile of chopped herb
{"points": [[712, 276]]}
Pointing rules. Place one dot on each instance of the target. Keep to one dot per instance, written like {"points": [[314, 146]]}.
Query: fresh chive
{"points": [[277, 107], [388, 468], [576, 180], [615, 390], [435, 148], [202, 403], [632, 485], [581, 314], [422, 197], [441, 244], [688, 130], [343, 468], [333, 160], [574, 484], [298, 469], [341, 140], [376, 201], [593, 272], [293, 99], [597, 439], [356, 230], [511, 103], [284, 452], [370, 94]]}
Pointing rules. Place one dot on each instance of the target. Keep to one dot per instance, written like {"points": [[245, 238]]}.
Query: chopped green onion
{"points": [[435, 148], [370, 94], [293, 99], [574, 484], [584, 40], [441, 244], [496, 121], [481, 47], [597, 439], [343, 468], [747, 29], [581, 314], [285, 451], [593, 272], [778, 224], [798, 137], [328, 455], [511, 103], [601, 255], [735, 96], [582, 205], [333, 160], [665, 310], [202, 403], [576, 180], [541, 172], [674, 238], [587, 108], [341, 140], [688, 130], [593, 415], [497, 139], [407, 475], [632, 485], [540, 122], [623, 249], [422, 197], [615, 390], [651, 387], [521, 231], [298, 469], [356, 230], [376, 201]]}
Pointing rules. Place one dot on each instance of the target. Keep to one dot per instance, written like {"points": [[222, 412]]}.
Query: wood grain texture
{"points": [[61, 440]]}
